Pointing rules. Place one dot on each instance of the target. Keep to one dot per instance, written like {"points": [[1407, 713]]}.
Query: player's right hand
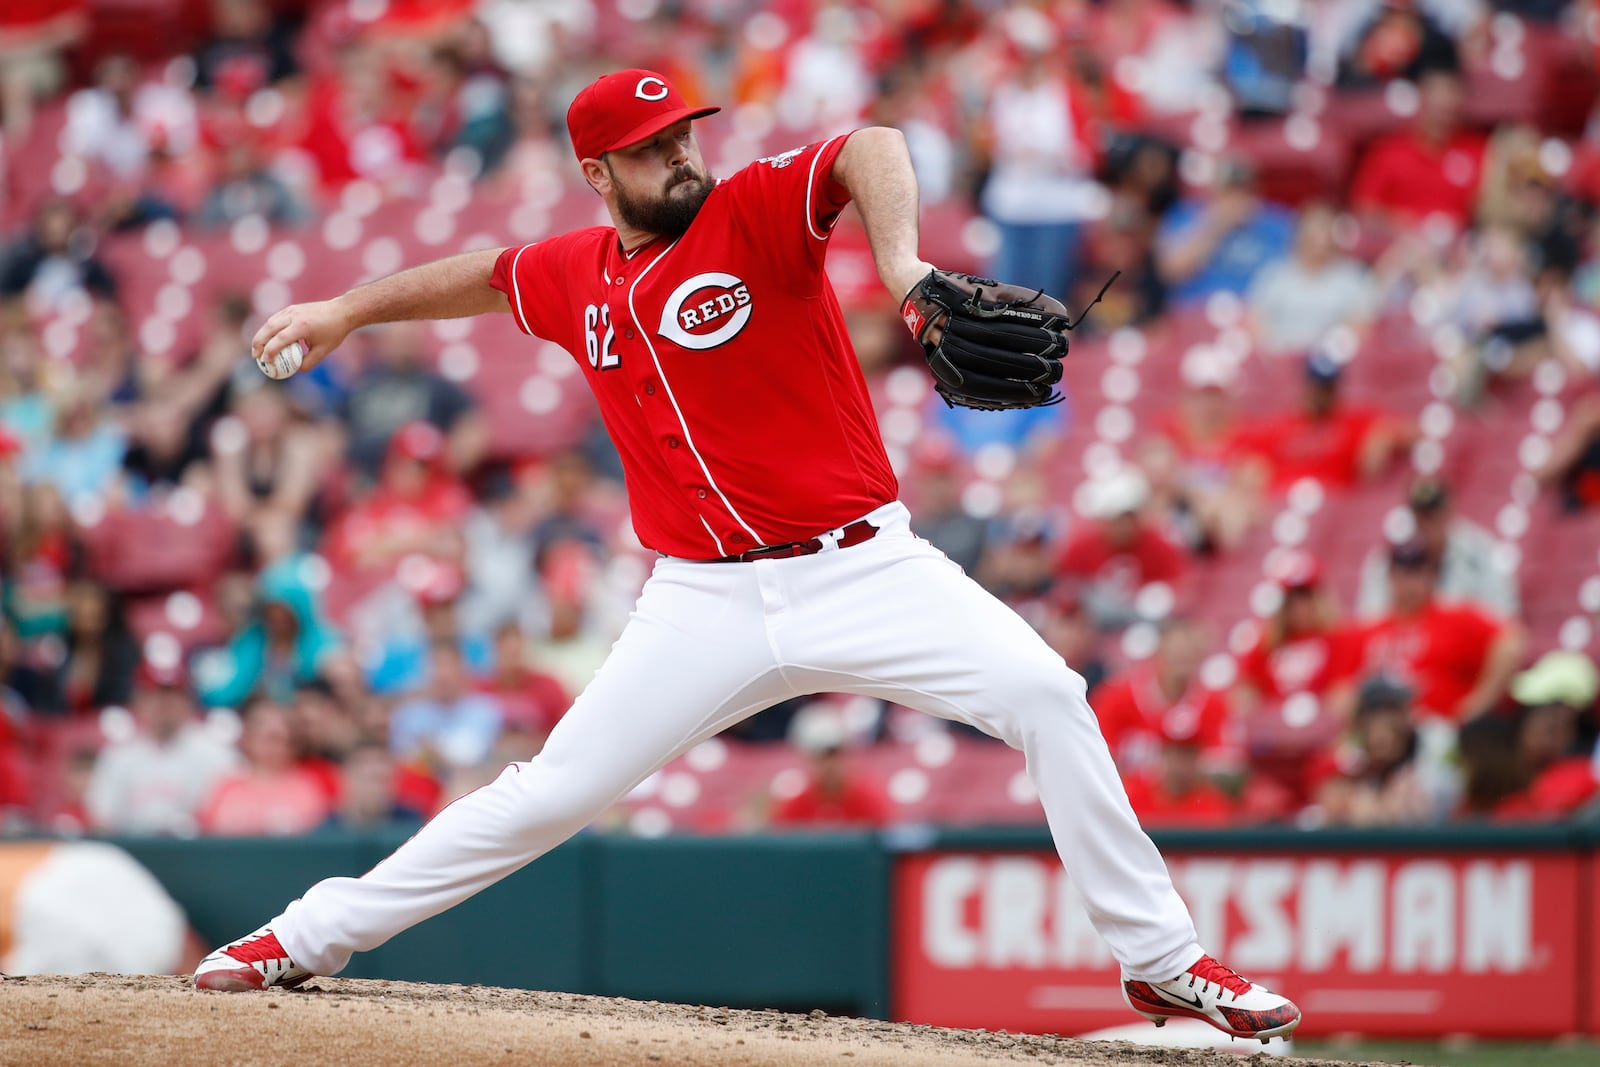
{"points": [[321, 327]]}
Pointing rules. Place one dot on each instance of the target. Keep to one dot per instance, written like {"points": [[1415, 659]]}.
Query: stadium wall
{"points": [[1481, 930]]}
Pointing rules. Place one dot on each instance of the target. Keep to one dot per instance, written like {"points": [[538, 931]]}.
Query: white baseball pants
{"points": [[712, 643]]}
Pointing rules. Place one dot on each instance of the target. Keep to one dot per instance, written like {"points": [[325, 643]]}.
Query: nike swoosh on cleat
{"points": [[1196, 1003]]}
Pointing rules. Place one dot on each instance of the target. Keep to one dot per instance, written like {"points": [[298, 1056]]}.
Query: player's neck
{"points": [[631, 239]]}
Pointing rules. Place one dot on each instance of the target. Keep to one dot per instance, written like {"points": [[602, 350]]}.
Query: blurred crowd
{"points": [[237, 607]]}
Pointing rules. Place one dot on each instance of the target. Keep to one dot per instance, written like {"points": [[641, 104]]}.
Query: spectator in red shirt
{"points": [[1458, 657], [1118, 553], [833, 794], [1297, 649], [1176, 792], [1555, 737], [270, 795], [531, 700], [1163, 698], [1429, 171], [1285, 677], [416, 507], [1326, 440]]}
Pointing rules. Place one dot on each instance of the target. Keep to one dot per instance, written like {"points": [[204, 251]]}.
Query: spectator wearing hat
{"points": [[1285, 678], [934, 490], [1458, 657], [575, 640], [270, 794], [425, 608], [1219, 243], [1119, 551], [286, 643], [1066, 626], [416, 507], [1470, 564], [1326, 439], [1019, 562], [1297, 301], [1555, 738], [1164, 697], [154, 780], [1299, 648], [1430, 171], [396, 390], [1375, 779], [834, 794]]}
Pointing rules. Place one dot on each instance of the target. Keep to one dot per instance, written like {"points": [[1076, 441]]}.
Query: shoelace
{"points": [[1209, 972], [259, 950]]}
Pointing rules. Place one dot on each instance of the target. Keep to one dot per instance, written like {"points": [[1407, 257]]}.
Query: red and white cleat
{"points": [[1211, 992], [253, 962]]}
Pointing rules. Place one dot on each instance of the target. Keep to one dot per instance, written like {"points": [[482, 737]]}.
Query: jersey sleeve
{"points": [[791, 201], [522, 273]]}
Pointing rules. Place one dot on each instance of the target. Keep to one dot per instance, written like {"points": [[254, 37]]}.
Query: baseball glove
{"points": [[990, 345]]}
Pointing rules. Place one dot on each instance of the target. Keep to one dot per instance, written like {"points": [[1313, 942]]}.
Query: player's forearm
{"points": [[450, 288], [875, 166]]}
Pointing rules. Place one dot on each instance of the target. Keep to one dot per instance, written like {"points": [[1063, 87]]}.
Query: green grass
{"points": [[1566, 1053]]}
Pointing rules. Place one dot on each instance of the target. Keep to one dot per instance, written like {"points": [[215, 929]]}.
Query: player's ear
{"points": [[597, 172]]}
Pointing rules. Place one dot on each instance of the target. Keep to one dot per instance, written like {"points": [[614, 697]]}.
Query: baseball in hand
{"points": [[285, 363]]}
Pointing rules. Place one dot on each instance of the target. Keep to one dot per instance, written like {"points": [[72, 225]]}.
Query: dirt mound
{"points": [[138, 1021]]}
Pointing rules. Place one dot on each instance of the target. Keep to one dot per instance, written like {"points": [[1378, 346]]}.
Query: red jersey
{"points": [[1298, 446], [1307, 664], [1137, 718], [1204, 805], [858, 803], [1440, 651], [1558, 791], [1090, 556], [1404, 175], [720, 360]]}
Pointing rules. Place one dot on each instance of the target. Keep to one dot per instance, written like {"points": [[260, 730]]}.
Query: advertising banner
{"points": [[1383, 944]]}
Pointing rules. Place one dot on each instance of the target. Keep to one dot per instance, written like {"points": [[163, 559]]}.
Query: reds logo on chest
{"points": [[705, 311]]}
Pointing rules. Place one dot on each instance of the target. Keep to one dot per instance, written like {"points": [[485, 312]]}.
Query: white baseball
{"points": [[285, 363]]}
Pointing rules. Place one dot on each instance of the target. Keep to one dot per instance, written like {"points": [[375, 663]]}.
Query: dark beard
{"points": [[671, 215]]}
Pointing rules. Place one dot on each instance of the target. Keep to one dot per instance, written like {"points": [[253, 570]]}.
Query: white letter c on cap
{"points": [[644, 93]]}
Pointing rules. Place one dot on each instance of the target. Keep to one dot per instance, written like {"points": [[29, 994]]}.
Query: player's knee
{"points": [[1038, 696], [549, 798]]}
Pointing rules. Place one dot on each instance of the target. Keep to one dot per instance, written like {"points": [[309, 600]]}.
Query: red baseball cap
{"points": [[1297, 569], [625, 107]]}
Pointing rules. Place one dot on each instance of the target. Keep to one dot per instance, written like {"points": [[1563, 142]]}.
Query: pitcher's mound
{"points": [[163, 1022]]}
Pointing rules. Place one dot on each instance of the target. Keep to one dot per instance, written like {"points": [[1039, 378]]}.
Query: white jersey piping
{"points": [[516, 290], [811, 178], [683, 423]]}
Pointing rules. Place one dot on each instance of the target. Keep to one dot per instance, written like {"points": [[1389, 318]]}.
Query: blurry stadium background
{"points": [[1319, 522]]}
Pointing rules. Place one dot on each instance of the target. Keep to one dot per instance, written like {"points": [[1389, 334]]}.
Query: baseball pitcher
{"points": [[704, 323]]}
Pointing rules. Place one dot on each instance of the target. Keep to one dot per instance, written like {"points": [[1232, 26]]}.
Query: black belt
{"points": [[857, 532]]}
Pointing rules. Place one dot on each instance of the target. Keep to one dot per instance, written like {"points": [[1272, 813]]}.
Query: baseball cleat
{"points": [[253, 962], [1211, 992]]}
